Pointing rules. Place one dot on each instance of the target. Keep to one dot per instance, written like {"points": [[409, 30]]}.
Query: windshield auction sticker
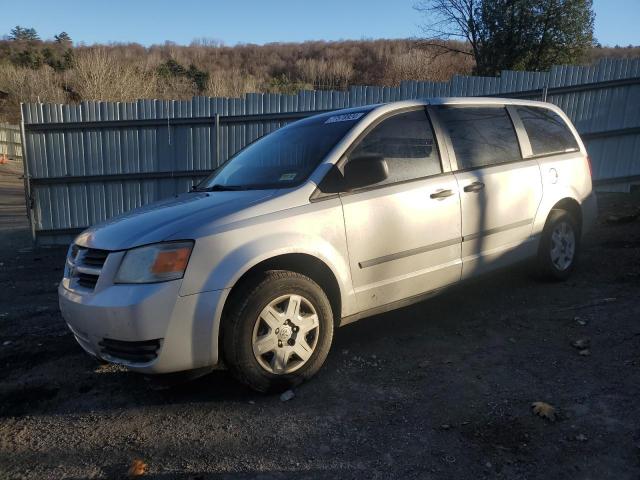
{"points": [[347, 117], [287, 177]]}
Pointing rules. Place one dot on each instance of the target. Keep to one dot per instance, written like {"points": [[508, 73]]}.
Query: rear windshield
{"points": [[548, 133], [285, 157]]}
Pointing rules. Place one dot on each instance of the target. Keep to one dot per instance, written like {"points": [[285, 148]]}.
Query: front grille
{"points": [[134, 352], [94, 258], [87, 265], [87, 280]]}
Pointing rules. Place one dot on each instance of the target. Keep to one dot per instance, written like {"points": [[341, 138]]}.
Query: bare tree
{"points": [[427, 64], [325, 74], [448, 20], [28, 85], [98, 74], [230, 83]]}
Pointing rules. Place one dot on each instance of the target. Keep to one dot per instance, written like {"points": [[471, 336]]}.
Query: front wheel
{"points": [[278, 331], [559, 246]]}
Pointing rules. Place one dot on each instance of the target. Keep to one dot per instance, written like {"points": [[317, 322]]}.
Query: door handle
{"points": [[442, 194], [474, 187]]}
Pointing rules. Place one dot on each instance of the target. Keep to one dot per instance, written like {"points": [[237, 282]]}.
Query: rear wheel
{"points": [[278, 331], [559, 246]]}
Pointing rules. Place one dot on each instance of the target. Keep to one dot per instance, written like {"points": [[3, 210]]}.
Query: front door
{"points": [[404, 234]]}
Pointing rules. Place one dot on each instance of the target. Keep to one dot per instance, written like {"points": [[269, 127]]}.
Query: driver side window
{"points": [[407, 143]]}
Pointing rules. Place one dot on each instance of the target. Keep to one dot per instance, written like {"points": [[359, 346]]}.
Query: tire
{"points": [[267, 361], [559, 246]]}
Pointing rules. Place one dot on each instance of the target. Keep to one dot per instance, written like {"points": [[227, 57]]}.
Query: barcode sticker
{"points": [[347, 117]]}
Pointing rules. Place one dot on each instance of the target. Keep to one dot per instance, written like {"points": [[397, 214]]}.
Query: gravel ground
{"points": [[442, 389]]}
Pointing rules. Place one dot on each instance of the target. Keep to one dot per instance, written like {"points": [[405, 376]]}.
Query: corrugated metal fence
{"points": [[12, 199], [88, 162], [10, 144]]}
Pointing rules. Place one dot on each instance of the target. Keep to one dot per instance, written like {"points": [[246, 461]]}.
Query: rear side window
{"points": [[407, 143], [480, 136], [547, 132]]}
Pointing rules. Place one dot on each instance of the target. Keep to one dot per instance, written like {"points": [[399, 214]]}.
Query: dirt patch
{"points": [[442, 389]]}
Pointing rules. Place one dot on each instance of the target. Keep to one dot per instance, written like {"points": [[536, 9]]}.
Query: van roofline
{"points": [[382, 108], [486, 101], [463, 100]]}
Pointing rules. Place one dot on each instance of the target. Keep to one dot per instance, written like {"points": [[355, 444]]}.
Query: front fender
{"points": [[219, 260], [240, 260]]}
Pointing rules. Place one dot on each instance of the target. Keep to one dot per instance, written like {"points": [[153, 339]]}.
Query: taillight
{"points": [[589, 165]]}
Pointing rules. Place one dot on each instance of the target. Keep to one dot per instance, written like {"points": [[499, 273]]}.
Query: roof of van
{"points": [[467, 101], [388, 107], [484, 101]]}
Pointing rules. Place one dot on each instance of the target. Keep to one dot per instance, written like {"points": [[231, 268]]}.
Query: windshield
{"points": [[285, 157]]}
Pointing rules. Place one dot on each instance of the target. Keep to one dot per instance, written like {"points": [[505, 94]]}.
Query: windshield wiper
{"points": [[221, 188]]}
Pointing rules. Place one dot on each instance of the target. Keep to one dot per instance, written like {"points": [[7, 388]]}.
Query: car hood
{"points": [[160, 220]]}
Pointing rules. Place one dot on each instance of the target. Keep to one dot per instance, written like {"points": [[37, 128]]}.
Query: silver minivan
{"points": [[325, 221]]}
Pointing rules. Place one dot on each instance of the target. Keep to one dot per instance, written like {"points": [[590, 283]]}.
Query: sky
{"points": [[257, 21]]}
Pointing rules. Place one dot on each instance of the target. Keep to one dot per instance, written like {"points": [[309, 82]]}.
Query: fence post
{"points": [[217, 129], [28, 200]]}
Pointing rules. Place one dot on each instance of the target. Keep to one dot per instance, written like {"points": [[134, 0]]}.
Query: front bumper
{"points": [[185, 329]]}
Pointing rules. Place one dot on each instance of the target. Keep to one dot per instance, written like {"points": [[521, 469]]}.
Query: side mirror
{"points": [[365, 171]]}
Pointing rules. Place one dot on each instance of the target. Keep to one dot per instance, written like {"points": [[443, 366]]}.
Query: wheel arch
{"points": [[302, 263], [564, 198], [571, 206]]}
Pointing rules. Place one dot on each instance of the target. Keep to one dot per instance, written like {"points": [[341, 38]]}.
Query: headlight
{"points": [[155, 263], [72, 253]]}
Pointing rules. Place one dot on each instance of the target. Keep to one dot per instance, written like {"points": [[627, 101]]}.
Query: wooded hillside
{"points": [[57, 71]]}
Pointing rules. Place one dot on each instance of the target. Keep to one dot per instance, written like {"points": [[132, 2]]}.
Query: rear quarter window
{"points": [[548, 133]]}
